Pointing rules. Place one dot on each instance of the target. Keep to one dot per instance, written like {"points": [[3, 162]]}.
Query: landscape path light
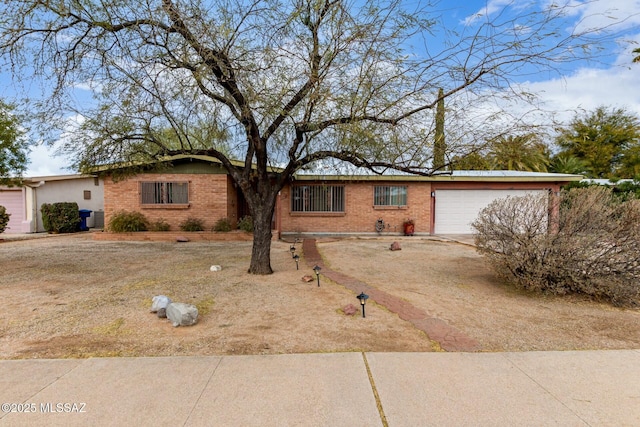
{"points": [[316, 270], [363, 300], [296, 258]]}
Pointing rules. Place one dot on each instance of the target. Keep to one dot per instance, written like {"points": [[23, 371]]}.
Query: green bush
{"points": [[223, 224], [160, 225], [62, 217], [123, 222], [192, 224], [4, 219], [246, 224]]}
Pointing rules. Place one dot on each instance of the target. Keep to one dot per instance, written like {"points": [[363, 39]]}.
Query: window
{"points": [[317, 198], [389, 195], [161, 193]]}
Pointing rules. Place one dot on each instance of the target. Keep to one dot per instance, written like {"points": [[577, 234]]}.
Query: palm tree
{"points": [[521, 153], [566, 163]]}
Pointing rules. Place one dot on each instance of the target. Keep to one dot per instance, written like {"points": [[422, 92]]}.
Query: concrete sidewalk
{"points": [[586, 388]]}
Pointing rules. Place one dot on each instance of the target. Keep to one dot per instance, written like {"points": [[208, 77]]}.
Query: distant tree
{"points": [[472, 161], [13, 146], [439, 145], [606, 140], [565, 163], [521, 153]]}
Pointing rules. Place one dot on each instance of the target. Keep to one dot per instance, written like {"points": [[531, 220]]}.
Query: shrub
{"points": [[223, 224], [4, 219], [62, 217], [192, 224], [123, 222], [160, 225], [593, 248], [246, 224]]}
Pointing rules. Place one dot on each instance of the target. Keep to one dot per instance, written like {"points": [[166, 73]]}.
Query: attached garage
{"points": [[13, 200], [455, 210]]}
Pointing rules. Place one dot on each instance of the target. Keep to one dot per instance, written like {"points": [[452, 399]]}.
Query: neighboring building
{"points": [[23, 203], [198, 187]]}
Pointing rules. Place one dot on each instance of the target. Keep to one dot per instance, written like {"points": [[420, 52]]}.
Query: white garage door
{"points": [[12, 200], [457, 209]]}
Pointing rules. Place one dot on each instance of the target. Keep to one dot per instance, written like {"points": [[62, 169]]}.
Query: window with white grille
{"points": [[317, 198], [160, 193], [389, 195]]}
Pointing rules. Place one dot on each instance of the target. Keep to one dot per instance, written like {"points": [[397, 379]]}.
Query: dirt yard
{"points": [[71, 296]]}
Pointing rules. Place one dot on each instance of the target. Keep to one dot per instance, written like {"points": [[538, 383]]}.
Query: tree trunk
{"points": [[261, 251]]}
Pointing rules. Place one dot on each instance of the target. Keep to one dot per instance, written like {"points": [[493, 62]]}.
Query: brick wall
{"points": [[360, 215], [209, 198]]}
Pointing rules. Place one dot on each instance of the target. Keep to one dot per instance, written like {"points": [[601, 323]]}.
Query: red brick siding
{"points": [[208, 198], [360, 216]]}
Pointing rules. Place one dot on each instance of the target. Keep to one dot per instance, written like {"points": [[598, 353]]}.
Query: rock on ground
{"points": [[182, 314], [350, 310], [159, 304]]}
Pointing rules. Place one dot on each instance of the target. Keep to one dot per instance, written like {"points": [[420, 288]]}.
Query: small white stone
{"points": [[216, 268]]}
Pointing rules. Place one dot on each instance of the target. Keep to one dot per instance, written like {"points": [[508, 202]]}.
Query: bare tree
{"points": [[279, 84]]}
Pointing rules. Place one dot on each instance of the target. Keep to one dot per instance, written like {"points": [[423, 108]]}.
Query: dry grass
{"points": [[70, 296]]}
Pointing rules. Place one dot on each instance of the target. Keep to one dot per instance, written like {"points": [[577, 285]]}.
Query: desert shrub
{"points": [[192, 224], [124, 222], [592, 248], [246, 224], [223, 224], [160, 225], [62, 217], [4, 218]]}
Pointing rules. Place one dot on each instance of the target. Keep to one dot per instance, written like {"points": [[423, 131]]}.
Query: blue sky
{"points": [[611, 81]]}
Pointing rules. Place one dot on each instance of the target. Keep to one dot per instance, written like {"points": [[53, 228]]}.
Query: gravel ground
{"points": [[70, 296]]}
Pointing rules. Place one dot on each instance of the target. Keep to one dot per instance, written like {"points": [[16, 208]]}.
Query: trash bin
{"points": [[84, 214]]}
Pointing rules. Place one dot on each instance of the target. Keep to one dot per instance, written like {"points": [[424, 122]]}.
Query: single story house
{"points": [[198, 187], [24, 202]]}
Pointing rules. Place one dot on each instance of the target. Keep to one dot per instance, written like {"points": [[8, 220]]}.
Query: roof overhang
{"points": [[457, 176], [170, 159]]}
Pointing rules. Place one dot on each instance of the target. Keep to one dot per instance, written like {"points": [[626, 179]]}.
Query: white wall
{"points": [[73, 189]]}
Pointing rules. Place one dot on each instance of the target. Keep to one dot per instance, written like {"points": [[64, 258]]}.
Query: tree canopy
{"points": [[13, 146], [284, 83], [508, 152], [606, 140]]}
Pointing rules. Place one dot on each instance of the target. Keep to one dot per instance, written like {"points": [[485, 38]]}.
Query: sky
{"points": [[614, 81]]}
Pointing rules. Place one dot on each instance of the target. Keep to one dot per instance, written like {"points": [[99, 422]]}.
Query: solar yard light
{"points": [[363, 300], [292, 249], [316, 270], [296, 258]]}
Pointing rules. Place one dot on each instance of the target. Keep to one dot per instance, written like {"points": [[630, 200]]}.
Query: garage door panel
{"points": [[12, 200], [455, 210]]}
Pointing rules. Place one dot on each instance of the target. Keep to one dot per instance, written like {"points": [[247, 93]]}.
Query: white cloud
{"points": [[492, 7], [44, 159], [44, 162], [624, 14], [589, 88]]}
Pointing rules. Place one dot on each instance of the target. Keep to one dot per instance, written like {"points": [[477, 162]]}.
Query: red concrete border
{"points": [[172, 236]]}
